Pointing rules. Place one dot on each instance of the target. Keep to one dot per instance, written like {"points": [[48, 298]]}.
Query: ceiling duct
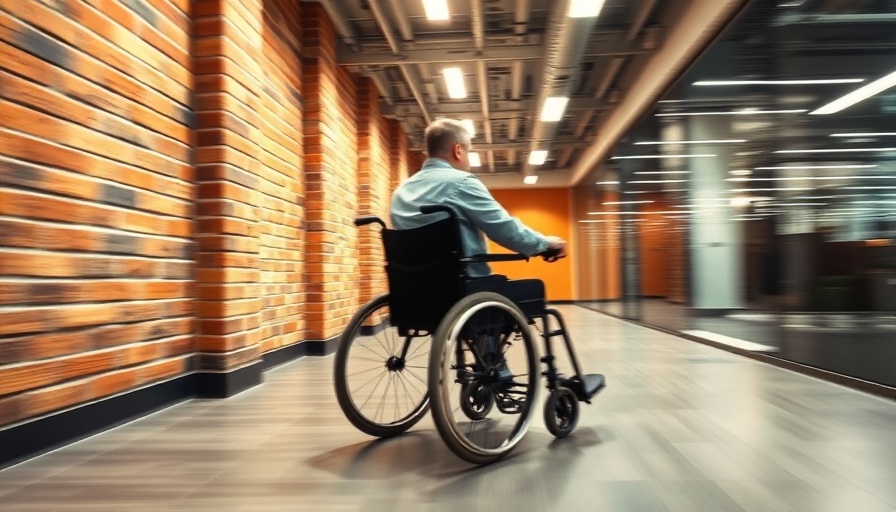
{"points": [[566, 40]]}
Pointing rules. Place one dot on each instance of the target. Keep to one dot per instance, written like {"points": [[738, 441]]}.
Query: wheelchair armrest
{"points": [[370, 219], [483, 258]]}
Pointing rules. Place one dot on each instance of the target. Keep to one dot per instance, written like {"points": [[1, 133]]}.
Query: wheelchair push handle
{"points": [[370, 219], [436, 208]]}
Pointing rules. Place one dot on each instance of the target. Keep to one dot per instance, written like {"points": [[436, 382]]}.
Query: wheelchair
{"points": [[444, 340]]}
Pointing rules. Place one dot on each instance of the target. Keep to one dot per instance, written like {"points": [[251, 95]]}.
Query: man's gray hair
{"points": [[442, 134]]}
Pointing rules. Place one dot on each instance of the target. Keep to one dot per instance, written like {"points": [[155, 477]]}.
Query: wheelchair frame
{"points": [[483, 385]]}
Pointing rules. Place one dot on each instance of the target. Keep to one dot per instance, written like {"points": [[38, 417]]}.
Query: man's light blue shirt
{"points": [[439, 183]]}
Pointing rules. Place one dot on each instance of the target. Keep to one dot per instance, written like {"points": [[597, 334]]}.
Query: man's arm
{"points": [[478, 205]]}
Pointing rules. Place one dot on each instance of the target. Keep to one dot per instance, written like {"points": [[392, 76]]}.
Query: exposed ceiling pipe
{"points": [[347, 33], [404, 24], [566, 41], [408, 74], [345, 29], [477, 18], [610, 75], [382, 84], [521, 18], [516, 92], [521, 29]]}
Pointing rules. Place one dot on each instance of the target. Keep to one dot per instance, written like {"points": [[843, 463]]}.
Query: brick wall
{"points": [[331, 180], [249, 159], [178, 181], [96, 194], [375, 182]]}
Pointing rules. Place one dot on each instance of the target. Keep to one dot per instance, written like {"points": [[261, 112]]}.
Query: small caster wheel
{"points": [[561, 412], [476, 400]]}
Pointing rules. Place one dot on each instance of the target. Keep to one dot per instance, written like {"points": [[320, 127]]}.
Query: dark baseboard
{"points": [[562, 301], [322, 347], [30, 439], [225, 384], [35, 437]]}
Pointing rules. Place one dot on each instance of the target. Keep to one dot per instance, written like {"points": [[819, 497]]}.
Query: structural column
{"points": [[716, 238], [331, 182], [227, 39]]}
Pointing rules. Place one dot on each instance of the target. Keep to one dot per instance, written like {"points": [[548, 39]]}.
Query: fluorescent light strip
{"points": [[585, 8], [780, 82], [734, 113], [553, 109], [436, 10], [862, 93], [607, 183], [627, 202], [538, 157], [637, 157], [454, 80], [866, 134], [662, 172], [786, 167], [474, 160], [661, 142], [796, 178], [769, 189], [646, 182], [839, 150]]}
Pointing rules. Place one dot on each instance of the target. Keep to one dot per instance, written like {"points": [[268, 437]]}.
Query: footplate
{"points": [[586, 388]]}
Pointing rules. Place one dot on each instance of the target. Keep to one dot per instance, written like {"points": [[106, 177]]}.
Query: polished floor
{"points": [[680, 427], [861, 345]]}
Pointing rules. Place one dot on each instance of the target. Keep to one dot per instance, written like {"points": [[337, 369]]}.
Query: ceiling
{"points": [[513, 55], [793, 150]]}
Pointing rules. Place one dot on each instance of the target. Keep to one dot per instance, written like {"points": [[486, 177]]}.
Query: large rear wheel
{"points": [[380, 376], [483, 377]]}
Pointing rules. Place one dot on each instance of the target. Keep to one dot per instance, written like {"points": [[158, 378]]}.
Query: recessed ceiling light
{"points": [[454, 80], [436, 10], [553, 109], [474, 160], [530, 180], [585, 8], [538, 157]]}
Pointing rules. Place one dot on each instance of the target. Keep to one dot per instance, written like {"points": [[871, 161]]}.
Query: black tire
{"points": [[476, 400], [561, 412], [373, 347], [456, 360]]}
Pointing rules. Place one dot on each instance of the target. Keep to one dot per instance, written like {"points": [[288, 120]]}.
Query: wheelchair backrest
{"points": [[425, 273]]}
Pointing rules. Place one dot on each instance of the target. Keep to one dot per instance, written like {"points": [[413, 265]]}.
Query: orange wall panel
{"points": [[546, 211]]}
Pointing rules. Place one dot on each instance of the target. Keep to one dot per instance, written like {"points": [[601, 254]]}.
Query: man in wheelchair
{"points": [[445, 180], [449, 331]]}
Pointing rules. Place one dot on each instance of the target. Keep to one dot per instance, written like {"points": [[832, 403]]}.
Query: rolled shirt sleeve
{"points": [[479, 207]]}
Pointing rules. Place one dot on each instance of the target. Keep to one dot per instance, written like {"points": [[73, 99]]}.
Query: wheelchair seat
{"points": [[427, 274]]}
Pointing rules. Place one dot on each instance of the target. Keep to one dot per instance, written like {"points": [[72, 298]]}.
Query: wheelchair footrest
{"points": [[586, 387]]}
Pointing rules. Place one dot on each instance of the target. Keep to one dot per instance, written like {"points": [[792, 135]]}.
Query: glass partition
{"points": [[755, 203]]}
